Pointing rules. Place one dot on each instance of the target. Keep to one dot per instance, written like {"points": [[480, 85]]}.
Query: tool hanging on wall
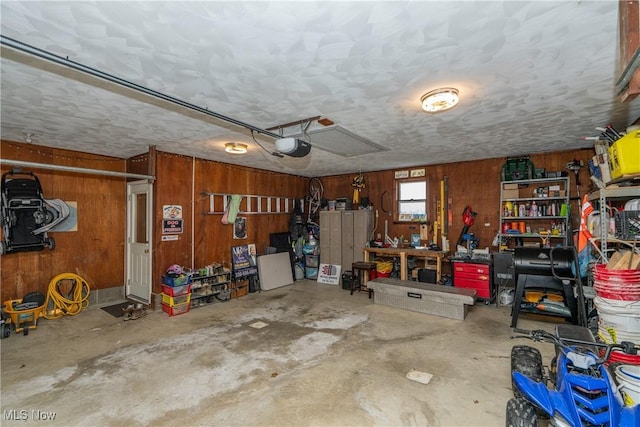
{"points": [[437, 225], [382, 203], [468, 218], [445, 206], [575, 166], [358, 185]]}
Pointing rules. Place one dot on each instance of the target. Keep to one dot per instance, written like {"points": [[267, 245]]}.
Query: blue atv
{"points": [[578, 390]]}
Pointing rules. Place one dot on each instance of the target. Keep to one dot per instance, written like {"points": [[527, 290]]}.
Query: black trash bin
{"points": [[347, 277]]}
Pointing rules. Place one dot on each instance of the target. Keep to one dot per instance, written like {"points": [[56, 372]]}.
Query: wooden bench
{"points": [[428, 298]]}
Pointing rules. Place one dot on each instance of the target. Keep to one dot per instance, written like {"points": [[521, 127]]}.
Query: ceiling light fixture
{"points": [[235, 148], [439, 100]]}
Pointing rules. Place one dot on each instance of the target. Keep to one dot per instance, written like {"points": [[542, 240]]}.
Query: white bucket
{"points": [[629, 378], [611, 336], [623, 317]]}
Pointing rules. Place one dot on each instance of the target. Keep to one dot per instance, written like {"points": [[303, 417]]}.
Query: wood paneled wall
{"points": [[475, 183], [96, 251], [182, 180]]}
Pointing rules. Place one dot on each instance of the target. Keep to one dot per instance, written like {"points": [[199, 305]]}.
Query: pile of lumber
{"points": [[624, 260]]}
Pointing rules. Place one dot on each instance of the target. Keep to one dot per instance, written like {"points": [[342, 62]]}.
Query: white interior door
{"points": [[139, 236]]}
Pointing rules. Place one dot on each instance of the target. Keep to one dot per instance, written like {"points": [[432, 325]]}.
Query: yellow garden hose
{"points": [[58, 305]]}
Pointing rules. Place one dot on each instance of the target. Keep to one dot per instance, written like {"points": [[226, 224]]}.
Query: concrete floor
{"points": [[325, 359]]}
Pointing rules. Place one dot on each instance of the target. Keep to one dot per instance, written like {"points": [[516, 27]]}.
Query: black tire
{"points": [[316, 190], [51, 243], [315, 184], [521, 413], [528, 361], [553, 370], [6, 330]]}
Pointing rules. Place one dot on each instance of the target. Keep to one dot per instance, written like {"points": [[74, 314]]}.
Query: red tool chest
{"points": [[473, 276]]}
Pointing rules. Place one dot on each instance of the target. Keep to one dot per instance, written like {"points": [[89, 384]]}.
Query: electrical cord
{"points": [[58, 305], [274, 153]]}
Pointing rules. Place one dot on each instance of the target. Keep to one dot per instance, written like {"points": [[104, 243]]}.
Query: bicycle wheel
{"points": [[316, 189]]}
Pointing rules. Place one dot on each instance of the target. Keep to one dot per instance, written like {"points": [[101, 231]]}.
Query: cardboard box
{"points": [[510, 186], [531, 244], [511, 194]]}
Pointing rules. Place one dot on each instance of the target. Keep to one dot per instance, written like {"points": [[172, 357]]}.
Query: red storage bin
{"points": [[176, 291]]}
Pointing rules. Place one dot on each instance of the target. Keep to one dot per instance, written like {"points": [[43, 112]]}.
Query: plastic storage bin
{"points": [[311, 260], [176, 309], [180, 280], [627, 225], [173, 301], [176, 291], [311, 272], [624, 155]]}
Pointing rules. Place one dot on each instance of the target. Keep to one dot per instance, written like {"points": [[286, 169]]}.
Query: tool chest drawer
{"points": [[473, 276], [481, 286], [469, 268]]}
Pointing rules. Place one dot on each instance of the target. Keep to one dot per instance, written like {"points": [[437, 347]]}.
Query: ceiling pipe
{"points": [[43, 54], [21, 163]]}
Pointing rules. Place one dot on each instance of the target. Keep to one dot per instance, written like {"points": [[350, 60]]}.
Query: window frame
{"points": [[397, 200]]}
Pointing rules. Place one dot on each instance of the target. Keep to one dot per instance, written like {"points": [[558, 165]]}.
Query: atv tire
{"points": [[528, 361], [521, 413]]}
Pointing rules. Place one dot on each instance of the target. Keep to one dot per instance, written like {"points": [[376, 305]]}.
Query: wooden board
{"points": [[274, 271]]}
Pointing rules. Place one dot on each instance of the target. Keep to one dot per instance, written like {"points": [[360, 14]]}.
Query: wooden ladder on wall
{"points": [[251, 204]]}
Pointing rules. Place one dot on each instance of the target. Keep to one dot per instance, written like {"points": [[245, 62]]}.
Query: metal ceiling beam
{"points": [[21, 163], [43, 54]]}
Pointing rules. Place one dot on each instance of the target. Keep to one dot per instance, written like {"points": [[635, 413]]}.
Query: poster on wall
{"points": [[171, 219], [240, 228], [244, 259]]}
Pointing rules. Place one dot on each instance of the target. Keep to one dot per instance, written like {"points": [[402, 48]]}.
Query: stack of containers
{"points": [[618, 305], [176, 294], [311, 251]]}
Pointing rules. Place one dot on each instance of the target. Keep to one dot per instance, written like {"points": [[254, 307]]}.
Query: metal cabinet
{"points": [[343, 236]]}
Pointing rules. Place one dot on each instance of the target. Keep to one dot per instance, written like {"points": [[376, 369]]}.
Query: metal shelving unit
{"points": [[548, 211], [604, 194]]}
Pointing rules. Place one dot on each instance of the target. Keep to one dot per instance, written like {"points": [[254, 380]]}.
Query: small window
{"points": [[412, 201]]}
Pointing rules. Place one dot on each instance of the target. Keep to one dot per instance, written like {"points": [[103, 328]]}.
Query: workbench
{"points": [[402, 253]]}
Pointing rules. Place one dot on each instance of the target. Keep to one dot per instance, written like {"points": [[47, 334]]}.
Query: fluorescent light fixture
{"points": [[439, 100], [235, 148]]}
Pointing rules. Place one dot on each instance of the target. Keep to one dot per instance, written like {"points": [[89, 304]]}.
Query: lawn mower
{"points": [[26, 214]]}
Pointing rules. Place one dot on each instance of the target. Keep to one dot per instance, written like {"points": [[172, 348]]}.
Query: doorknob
{"points": [[146, 251]]}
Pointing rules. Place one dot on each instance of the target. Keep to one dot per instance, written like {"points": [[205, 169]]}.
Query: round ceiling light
{"points": [[235, 148], [439, 100]]}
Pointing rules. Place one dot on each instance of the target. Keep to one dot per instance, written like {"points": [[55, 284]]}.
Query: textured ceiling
{"points": [[534, 76]]}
